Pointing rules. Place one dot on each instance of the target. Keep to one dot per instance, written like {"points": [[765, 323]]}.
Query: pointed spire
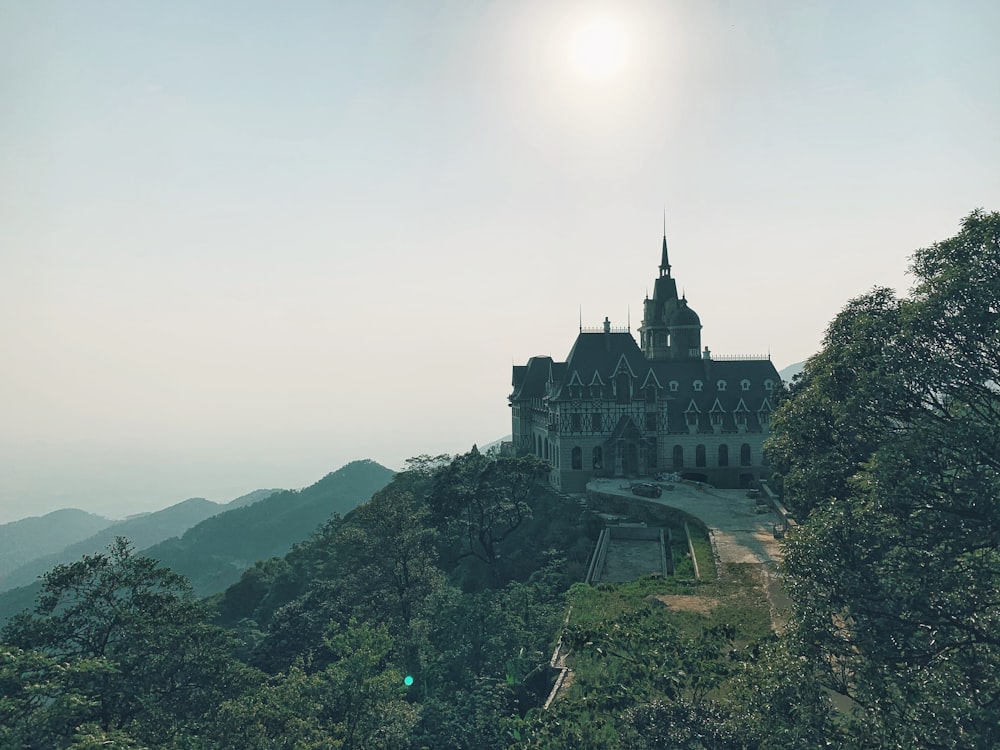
{"points": [[664, 260]]}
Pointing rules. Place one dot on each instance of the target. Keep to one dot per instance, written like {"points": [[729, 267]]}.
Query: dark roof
{"points": [[684, 315], [533, 378], [596, 357]]}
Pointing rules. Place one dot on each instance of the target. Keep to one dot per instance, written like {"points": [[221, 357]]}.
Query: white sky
{"points": [[244, 243]]}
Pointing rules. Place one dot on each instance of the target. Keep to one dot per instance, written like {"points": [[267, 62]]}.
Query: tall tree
{"points": [[484, 499], [163, 669], [890, 450]]}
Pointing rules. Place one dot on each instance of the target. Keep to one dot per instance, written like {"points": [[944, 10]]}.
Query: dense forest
{"points": [[426, 617]]}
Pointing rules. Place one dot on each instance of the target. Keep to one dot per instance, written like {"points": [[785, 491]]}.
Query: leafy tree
{"points": [[890, 449], [356, 701], [485, 499], [43, 701], [154, 668]]}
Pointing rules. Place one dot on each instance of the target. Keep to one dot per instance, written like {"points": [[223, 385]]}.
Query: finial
{"points": [[581, 318]]}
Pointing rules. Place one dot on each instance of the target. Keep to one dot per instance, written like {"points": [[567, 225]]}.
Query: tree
{"points": [[154, 666], [356, 701], [485, 500], [891, 453]]}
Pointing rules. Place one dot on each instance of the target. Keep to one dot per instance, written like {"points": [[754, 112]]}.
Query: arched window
{"points": [[745, 454], [723, 455], [745, 385], [597, 458], [720, 385], [699, 455], [769, 385], [698, 385], [678, 457], [578, 457]]}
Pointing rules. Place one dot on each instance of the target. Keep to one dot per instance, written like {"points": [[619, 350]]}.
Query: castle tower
{"points": [[685, 332], [654, 332]]}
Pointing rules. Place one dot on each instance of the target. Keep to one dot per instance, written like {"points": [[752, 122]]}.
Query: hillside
{"points": [[214, 553], [31, 538], [144, 530]]}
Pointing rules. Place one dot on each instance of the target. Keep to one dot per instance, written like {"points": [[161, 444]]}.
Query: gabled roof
{"points": [[651, 376]]}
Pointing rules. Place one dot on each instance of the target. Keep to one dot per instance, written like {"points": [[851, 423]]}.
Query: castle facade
{"points": [[620, 408]]}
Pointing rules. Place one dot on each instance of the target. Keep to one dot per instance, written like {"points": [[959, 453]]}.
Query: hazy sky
{"points": [[244, 243]]}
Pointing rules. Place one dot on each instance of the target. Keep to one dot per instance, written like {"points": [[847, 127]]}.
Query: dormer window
{"points": [[698, 385], [720, 385], [674, 385], [744, 385], [768, 385]]}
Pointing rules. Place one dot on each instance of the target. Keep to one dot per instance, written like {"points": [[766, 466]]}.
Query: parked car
{"points": [[646, 489]]}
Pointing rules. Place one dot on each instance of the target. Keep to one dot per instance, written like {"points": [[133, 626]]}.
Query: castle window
{"points": [[723, 455], [597, 458], [698, 385], [720, 385], [741, 417], [650, 420], [699, 455], [745, 385], [578, 458], [595, 422], [674, 385], [764, 417], [768, 385], [692, 419], [574, 422], [595, 391], [716, 418], [745, 454], [623, 388], [678, 457]]}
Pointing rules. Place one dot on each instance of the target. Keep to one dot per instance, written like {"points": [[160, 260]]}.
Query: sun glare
{"points": [[598, 48]]}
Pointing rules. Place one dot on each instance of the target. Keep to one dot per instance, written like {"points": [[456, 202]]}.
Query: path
{"points": [[738, 533]]}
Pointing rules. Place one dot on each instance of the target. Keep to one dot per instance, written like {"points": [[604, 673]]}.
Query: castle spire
{"points": [[664, 261]]}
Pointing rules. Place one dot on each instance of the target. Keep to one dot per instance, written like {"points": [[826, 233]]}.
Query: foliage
{"points": [[153, 665], [890, 447], [484, 500]]}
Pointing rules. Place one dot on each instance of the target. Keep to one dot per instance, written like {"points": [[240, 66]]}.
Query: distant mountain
{"points": [[31, 538], [791, 371], [144, 531], [215, 553], [250, 498]]}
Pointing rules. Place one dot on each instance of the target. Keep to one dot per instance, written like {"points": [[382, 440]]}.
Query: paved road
{"points": [[738, 533]]}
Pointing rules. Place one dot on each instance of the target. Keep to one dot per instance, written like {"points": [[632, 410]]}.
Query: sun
{"points": [[598, 48]]}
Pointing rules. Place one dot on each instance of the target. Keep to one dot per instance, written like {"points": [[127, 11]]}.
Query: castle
{"points": [[664, 405]]}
